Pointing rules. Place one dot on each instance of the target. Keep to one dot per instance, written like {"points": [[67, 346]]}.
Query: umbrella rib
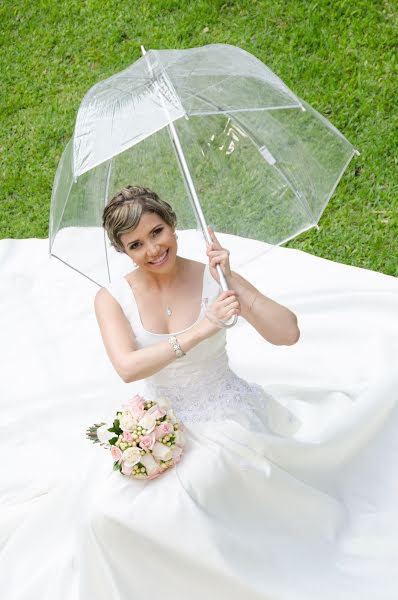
{"points": [[241, 110], [291, 237], [108, 176], [297, 194], [66, 201], [210, 86], [354, 151], [74, 268], [193, 94]]}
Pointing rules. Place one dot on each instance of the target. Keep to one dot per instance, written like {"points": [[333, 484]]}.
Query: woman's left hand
{"points": [[217, 255]]}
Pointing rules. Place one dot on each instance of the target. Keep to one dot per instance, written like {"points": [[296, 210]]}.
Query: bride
{"points": [[198, 526], [168, 291], [286, 491]]}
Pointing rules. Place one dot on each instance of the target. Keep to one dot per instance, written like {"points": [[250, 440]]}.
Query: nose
{"points": [[153, 250]]}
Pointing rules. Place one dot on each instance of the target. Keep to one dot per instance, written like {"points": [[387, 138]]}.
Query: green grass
{"points": [[337, 55]]}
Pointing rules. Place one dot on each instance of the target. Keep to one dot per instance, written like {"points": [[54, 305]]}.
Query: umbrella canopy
{"points": [[263, 163]]}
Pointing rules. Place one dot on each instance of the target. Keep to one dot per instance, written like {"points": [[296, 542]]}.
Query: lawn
{"points": [[339, 56]]}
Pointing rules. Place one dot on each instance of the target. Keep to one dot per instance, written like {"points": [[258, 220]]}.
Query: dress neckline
{"points": [[205, 270]]}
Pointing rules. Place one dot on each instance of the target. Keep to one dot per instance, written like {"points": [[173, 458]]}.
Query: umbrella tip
{"points": [[143, 51], [357, 152]]}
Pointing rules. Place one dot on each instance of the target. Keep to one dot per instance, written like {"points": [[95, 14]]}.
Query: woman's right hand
{"points": [[222, 309]]}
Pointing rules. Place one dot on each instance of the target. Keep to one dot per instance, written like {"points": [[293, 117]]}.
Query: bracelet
{"points": [[176, 346]]}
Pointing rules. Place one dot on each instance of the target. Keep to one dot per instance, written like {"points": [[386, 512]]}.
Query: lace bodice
{"points": [[200, 385]]}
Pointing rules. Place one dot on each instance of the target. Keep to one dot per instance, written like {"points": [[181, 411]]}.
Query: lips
{"points": [[162, 258]]}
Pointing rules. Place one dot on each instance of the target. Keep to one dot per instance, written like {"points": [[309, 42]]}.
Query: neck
{"points": [[164, 281]]}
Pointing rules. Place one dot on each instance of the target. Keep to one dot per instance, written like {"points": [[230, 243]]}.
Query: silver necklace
{"points": [[168, 311]]}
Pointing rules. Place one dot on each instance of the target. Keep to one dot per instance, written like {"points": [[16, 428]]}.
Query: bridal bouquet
{"points": [[144, 440]]}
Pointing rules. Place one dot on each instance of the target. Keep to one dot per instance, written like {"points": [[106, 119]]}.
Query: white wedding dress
{"points": [[285, 491]]}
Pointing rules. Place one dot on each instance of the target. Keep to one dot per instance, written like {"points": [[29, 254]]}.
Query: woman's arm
{"points": [[151, 359], [132, 363], [274, 322]]}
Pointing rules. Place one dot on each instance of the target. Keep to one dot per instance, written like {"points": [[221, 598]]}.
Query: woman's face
{"points": [[152, 244]]}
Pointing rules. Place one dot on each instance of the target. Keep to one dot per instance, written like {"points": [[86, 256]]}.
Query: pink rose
{"points": [[163, 429], [177, 451], [134, 401], [157, 412], [126, 470], [158, 433], [127, 436], [116, 453], [138, 411], [147, 441], [156, 474]]}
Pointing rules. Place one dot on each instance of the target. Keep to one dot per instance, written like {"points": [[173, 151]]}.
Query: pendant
{"points": [[168, 311]]}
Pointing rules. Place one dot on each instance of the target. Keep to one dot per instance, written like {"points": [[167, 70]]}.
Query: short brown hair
{"points": [[123, 212]]}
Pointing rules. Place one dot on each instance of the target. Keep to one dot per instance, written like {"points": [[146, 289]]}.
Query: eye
{"points": [[158, 230], [134, 246]]}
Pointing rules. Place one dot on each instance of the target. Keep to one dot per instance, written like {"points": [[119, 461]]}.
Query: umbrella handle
{"points": [[234, 320], [225, 287]]}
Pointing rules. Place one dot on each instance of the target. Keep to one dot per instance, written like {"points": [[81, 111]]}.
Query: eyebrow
{"points": [[153, 229]]}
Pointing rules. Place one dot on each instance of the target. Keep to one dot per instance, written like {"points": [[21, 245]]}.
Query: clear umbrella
{"points": [[214, 132]]}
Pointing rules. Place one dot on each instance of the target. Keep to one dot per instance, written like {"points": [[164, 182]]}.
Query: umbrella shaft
{"points": [[187, 176]]}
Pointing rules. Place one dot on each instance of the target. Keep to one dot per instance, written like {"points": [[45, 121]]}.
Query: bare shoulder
{"points": [[104, 298], [132, 277], [193, 268], [107, 307]]}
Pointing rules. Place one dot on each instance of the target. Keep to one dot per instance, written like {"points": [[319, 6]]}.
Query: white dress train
{"points": [[284, 492]]}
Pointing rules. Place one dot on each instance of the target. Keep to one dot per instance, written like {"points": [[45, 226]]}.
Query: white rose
{"points": [[127, 422], [163, 403], [103, 434], [150, 464], [161, 451], [170, 413], [131, 456], [179, 438], [148, 422]]}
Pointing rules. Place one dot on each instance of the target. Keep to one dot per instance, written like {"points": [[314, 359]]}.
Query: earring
{"points": [[176, 235]]}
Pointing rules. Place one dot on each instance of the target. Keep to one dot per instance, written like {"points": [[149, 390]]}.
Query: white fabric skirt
{"points": [[260, 506]]}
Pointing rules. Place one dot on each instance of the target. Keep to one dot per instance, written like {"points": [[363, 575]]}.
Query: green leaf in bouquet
{"points": [[116, 427], [113, 441], [141, 466]]}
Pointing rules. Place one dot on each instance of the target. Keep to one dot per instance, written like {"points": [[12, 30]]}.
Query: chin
{"points": [[168, 262]]}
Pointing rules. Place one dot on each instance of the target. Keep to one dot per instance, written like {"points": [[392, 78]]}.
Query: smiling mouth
{"points": [[161, 259]]}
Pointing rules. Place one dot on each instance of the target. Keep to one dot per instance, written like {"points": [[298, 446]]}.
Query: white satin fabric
{"points": [[294, 498]]}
